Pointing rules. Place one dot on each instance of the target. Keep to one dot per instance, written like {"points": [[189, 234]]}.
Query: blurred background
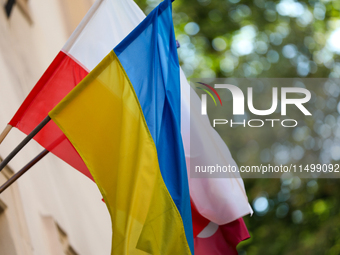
{"points": [[275, 39]]}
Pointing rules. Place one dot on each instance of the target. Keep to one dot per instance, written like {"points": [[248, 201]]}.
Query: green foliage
{"points": [[262, 38]]}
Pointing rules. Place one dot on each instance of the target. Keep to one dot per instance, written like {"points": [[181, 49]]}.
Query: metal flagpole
{"points": [[24, 142], [23, 170]]}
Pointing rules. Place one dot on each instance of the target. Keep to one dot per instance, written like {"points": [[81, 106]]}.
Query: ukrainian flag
{"points": [[124, 121]]}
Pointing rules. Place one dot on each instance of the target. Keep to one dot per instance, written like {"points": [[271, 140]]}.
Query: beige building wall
{"points": [[52, 209]]}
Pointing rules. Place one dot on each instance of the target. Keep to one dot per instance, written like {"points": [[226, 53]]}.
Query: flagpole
{"points": [[5, 132], [23, 170], [24, 142]]}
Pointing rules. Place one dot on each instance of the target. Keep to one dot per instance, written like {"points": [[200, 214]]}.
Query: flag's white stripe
{"points": [[76, 33], [106, 24], [221, 200], [209, 230]]}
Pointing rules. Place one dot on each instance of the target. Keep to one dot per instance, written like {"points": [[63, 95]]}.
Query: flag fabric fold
{"points": [[138, 159]]}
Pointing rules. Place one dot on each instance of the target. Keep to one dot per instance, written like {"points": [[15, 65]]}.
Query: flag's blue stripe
{"points": [[149, 57]]}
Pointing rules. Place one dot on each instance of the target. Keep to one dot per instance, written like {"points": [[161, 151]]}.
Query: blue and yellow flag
{"points": [[124, 121]]}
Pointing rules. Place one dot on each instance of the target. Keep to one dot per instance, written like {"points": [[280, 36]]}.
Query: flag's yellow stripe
{"points": [[103, 120]]}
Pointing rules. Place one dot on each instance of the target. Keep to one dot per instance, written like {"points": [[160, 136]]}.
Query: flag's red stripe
{"points": [[198, 221], [223, 241], [43, 82], [58, 80], [235, 232]]}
